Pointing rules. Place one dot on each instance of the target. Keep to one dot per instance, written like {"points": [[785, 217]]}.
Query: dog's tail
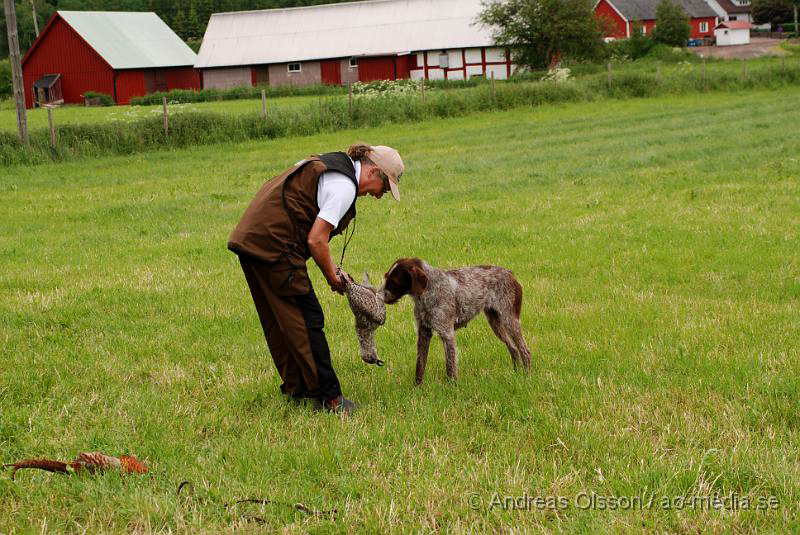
{"points": [[517, 297]]}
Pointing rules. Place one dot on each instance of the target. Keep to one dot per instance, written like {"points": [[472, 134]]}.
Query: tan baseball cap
{"points": [[388, 160]]}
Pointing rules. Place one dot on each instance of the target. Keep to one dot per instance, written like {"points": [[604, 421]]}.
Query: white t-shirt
{"points": [[335, 194]]}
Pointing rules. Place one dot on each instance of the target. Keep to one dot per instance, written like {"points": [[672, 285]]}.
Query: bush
{"points": [[639, 44], [386, 88], [617, 50], [669, 54], [789, 47], [6, 83], [96, 98], [635, 47]]}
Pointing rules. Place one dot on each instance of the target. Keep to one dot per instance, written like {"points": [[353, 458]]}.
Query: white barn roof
{"points": [[130, 40], [371, 28]]}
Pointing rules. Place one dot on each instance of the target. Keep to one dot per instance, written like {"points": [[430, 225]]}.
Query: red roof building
{"points": [[121, 54]]}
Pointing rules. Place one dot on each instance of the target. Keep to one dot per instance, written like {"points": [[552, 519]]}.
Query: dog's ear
{"points": [[419, 281]]}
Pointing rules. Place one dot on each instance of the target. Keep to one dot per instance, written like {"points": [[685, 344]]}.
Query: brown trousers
{"points": [[293, 325]]}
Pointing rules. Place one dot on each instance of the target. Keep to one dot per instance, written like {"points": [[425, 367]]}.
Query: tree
{"points": [[27, 33], [540, 32], [672, 24], [772, 12], [6, 85], [179, 24], [193, 29]]}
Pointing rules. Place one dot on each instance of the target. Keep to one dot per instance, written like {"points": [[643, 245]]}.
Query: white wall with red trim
{"points": [[462, 63]]}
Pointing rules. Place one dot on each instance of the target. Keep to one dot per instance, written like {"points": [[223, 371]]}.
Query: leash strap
{"points": [[347, 241]]}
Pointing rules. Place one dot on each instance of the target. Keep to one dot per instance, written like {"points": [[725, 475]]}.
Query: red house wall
{"points": [[379, 68], [710, 22], [130, 83], [133, 83], [182, 78], [403, 66], [694, 24], [61, 50], [604, 9]]}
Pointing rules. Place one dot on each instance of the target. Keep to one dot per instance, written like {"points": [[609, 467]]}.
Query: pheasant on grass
{"points": [[84, 462]]}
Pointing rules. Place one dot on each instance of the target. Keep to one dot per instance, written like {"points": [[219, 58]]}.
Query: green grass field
{"points": [[657, 242]]}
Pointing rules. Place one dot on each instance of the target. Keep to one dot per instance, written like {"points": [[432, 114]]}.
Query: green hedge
{"points": [[183, 96], [332, 114], [104, 99]]}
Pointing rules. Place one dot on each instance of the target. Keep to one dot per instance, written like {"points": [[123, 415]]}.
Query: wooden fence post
{"points": [[166, 116], [423, 88], [609, 76], [264, 103], [52, 127], [744, 69], [494, 89], [16, 69], [350, 100]]}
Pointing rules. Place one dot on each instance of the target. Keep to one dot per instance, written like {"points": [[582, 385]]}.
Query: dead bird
{"points": [[84, 462], [369, 311]]}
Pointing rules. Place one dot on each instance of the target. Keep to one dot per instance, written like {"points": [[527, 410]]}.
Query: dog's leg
{"points": [[449, 341], [503, 328], [516, 332], [424, 335]]}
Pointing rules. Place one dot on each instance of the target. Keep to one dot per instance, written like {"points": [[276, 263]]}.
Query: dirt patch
{"points": [[758, 47]]}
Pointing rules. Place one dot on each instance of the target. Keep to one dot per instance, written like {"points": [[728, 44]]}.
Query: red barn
{"points": [[622, 14], [120, 54]]}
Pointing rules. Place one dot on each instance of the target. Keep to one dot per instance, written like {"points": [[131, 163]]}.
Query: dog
{"points": [[447, 300]]}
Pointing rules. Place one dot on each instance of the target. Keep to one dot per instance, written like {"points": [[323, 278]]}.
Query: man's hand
{"points": [[337, 284]]}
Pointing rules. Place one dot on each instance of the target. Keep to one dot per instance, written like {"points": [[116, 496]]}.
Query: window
{"points": [[703, 27], [644, 30], [353, 63], [294, 67]]}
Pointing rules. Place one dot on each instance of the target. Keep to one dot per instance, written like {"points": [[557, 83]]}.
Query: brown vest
{"points": [[274, 228]]}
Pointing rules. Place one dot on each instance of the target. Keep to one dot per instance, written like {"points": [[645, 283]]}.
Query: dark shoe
{"points": [[340, 404]]}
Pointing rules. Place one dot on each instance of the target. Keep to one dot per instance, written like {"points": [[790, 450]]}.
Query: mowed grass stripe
{"points": [[656, 244]]}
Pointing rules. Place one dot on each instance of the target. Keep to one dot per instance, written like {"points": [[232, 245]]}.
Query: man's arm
{"points": [[318, 239]]}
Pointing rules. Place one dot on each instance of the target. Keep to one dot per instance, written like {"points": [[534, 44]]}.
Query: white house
{"points": [[732, 32], [739, 10]]}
